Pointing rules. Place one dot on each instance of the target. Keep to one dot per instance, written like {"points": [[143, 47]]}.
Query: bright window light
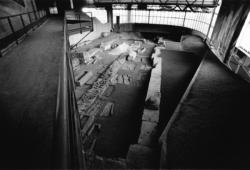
{"points": [[98, 13], [53, 10], [243, 42]]}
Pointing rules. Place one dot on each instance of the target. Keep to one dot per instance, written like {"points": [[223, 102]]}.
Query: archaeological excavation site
{"points": [[124, 84]]}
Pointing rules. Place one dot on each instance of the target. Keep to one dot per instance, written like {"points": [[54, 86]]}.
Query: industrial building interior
{"points": [[124, 84]]}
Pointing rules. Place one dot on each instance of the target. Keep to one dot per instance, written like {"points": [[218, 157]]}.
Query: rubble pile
{"points": [[91, 56], [98, 87], [77, 59]]}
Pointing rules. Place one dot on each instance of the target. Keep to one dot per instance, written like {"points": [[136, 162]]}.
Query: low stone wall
{"points": [[144, 154]]}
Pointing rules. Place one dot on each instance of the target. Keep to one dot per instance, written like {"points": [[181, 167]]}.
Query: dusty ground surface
{"points": [[122, 128], [212, 128], [28, 89], [178, 68]]}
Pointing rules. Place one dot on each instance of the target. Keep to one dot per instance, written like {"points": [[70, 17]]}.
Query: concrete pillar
{"points": [[71, 4], [129, 13], [118, 23], [110, 15]]}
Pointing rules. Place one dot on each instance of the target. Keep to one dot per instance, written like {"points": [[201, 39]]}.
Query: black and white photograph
{"points": [[124, 84]]}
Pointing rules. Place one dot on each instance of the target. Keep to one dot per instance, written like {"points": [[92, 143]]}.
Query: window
{"points": [[53, 10], [199, 21], [216, 12], [98, 13], [243, 42]]}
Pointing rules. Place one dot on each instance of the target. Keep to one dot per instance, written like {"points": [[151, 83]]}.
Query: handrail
{"points": [[19, 14], [67, 153], [81, 28], [13, 34]]}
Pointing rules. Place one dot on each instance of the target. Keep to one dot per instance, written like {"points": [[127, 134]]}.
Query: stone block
{"points": [[141, 157], [120, 79], [105, 34], [126, 79], [84, 78], [151, 115], [88, 55], [132, 55], [109, 91], [87, 125], [75, 62], [114, 163], [108, 110], [153, 102], [148, 133]]}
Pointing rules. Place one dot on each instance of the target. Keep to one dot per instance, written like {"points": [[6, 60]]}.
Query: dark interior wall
{"points": [[12, 7], [228, 25], [62, 5], [168, 31], [44, 4], [210, 129]]}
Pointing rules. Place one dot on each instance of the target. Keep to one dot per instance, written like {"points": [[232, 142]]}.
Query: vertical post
{"points": [[92, 23], [209, 27], [149, 16], [29, 17], [109, 11], [21, 17], [129, 16], [184, 19], [39, 14], [30, 20], [129, 13], [33, 7], [80, 23], [71, 4], [12, 29], [118, 23]]}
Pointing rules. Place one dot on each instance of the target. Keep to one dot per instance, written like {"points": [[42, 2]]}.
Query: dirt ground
{"points": [[123, 127]]}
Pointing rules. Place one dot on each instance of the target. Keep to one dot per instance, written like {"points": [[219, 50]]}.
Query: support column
{"points": [[129, 13], [71, 4], [110, 15], [209, 27], [118, 23]]}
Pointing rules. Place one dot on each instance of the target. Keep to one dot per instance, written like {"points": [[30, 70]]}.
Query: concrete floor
{"points": [[212, 127], [178, 68], [28, 91]]}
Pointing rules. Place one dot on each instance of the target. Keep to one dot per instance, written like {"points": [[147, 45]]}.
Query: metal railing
{"points": [[85, 21], [199, 21], [80, 22], [68, 153], [202, 3], [15, 26]]}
